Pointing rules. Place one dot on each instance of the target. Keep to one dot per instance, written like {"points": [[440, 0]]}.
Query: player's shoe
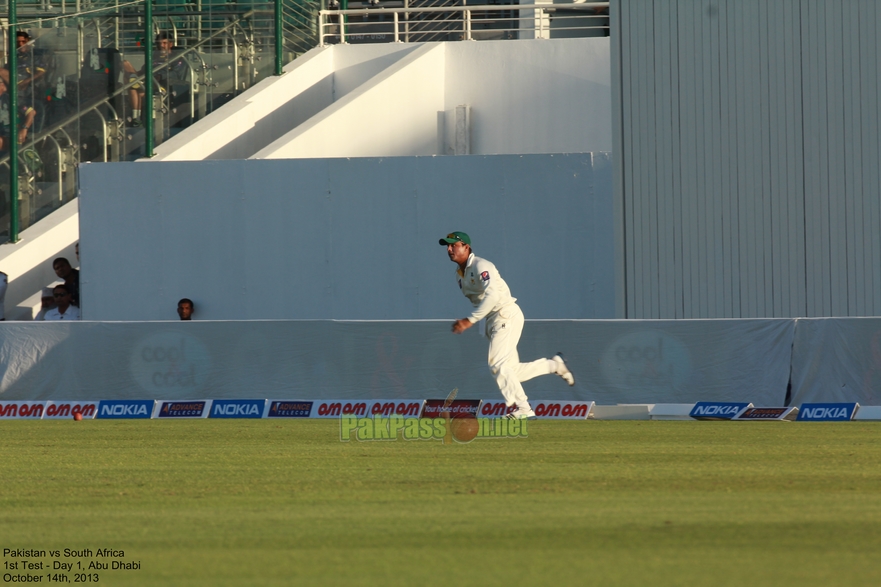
{"points": [[562, 370], [521, 414]]}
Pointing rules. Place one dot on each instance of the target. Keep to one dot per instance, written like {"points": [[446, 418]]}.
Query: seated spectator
{"points": [[185, 309], [32, 65], [174, 70], [65, 310], [47, 302], [70, 276], [25, 117]]}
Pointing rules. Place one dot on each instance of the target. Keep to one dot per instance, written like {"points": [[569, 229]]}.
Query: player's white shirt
{"points": [[482, 284], [72, 313]]}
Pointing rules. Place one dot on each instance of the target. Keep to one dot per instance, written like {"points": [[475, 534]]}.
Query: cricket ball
{"points": [[464, 429], [77, 416]]}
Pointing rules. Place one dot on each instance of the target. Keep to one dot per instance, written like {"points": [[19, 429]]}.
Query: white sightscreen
{"points": [[343, 239]]}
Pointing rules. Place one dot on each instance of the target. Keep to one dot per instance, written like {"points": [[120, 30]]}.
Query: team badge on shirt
{"points": [[485, 276]]}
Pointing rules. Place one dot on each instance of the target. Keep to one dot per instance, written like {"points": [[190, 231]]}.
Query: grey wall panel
{"points": [[793, 172], [812, 94], [836, 193], [688, 149], [870, 146], [666, 121], [618, 170], [749, 157], [647, 118], [624, 58], [728, 168]]}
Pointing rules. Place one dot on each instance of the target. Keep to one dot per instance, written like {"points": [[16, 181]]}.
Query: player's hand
{"points": [[460, 326]]}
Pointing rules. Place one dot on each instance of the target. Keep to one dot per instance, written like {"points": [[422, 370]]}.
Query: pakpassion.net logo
{"points": [[462, 430]]}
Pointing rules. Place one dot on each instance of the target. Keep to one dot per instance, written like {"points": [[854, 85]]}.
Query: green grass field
{"points": [[274, 502]]}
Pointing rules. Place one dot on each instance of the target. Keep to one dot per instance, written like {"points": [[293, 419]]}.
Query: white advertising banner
{"points": [[22, 410], [61, 410], [614, 361]]}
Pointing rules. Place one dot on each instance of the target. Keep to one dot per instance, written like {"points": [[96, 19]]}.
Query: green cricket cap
{"points": [[455, 237]]}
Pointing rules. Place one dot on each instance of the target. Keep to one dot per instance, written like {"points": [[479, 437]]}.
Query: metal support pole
{"points": [[279, 38], [148, 78], [12, 88], [344, 20]]}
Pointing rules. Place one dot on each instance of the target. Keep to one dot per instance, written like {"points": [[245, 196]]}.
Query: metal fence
{"points": [[82, 92], [409, 22]]}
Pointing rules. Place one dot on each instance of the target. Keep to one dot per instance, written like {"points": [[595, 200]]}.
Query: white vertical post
{"points": [[534, 22], [464, 21], [342, 29]]}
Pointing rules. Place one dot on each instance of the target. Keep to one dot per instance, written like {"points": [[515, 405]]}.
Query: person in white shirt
{"points": [[65, 310], [47, 302], [481, 283]]}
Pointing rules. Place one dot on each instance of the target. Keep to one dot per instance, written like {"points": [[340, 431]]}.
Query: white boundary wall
{"points": [[614, 361]]}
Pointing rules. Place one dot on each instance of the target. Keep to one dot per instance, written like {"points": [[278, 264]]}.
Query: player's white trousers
{"points": [[503, 329]]}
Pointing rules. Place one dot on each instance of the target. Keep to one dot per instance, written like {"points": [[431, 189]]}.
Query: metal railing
{"points": [[477, 22], [95, 102]]}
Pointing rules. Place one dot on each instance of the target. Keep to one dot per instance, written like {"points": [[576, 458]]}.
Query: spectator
{"points": [[30, 75], [185, 309], [4, 281], [70, 276], [47, 302], [175, 70], [65, 310], [25, 117]]}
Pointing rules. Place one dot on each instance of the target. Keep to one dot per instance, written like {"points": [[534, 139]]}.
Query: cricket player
{"points": [[481, 283]]}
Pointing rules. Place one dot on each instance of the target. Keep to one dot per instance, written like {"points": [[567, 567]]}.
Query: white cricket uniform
{"points": [[491, 298]]}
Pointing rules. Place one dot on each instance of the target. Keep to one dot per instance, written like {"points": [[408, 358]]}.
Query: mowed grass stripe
{"points": [[274, 502]]}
